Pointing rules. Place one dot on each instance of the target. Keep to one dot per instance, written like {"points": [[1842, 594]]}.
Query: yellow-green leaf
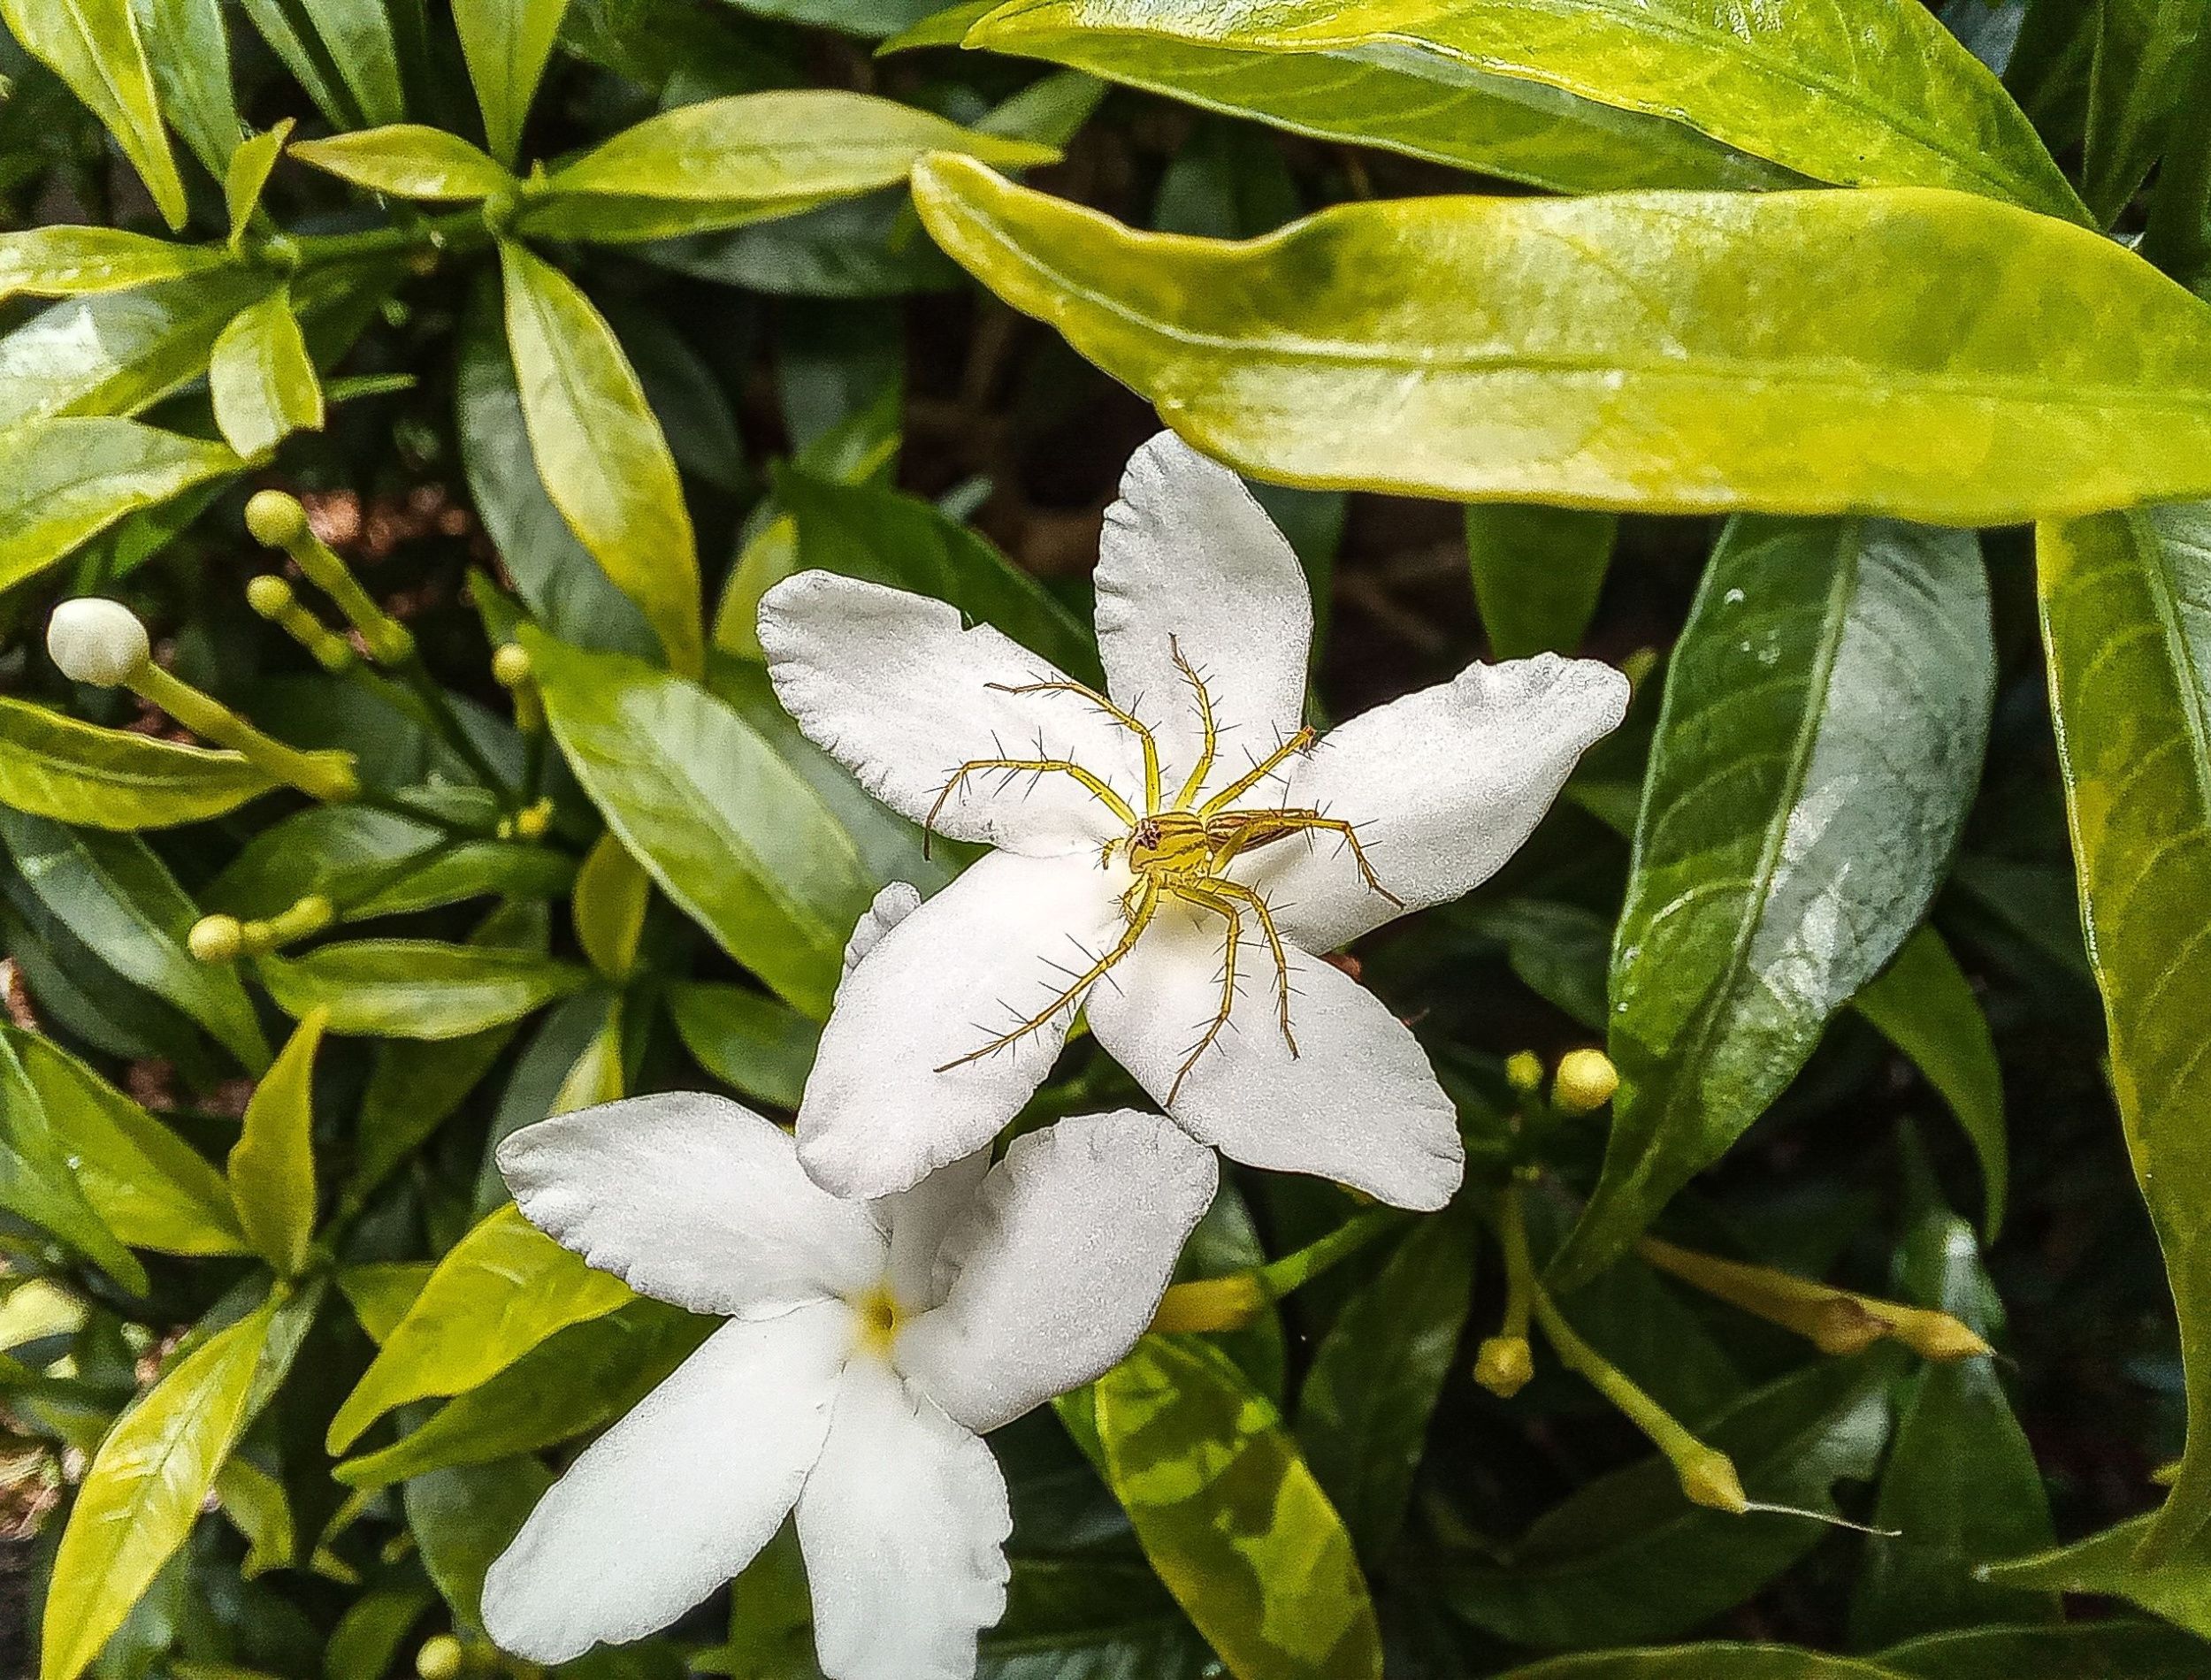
{"points": [[144, 1491], [1935, 355], [247, 173], [37, 1183], [503, 1289], [262, 379], [612, 891], [63, 482], [2126, 626], [407, 160], [69, 262], [416, 987], [272, 1163], [601, 454], [94, 46], [506, 43], [78, 773], [1231, 1517]]}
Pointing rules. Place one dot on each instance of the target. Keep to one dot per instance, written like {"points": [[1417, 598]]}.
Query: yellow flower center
{"points": [[880, 1319]]}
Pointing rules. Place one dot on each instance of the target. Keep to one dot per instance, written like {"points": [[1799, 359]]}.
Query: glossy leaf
{"points": [[1961, 1487], [416, 987], [271, 1166], [262, 379], [1628, 1558], [1625, 351], [144, 1490], [731, 833], [407, 161], [500, 1291], [360, 41], [64, 481], [1923, 1004], [2177, 1585], [119, 899], [1231, 1517], [575, 1381], [413, 1089], [724, 162], [2126, 628], [37, 1181], [1795, 823], [600, 454], [115, 353], [1363, 1414], [2110, 77], [257, 1504], [190, 55], [1863, 95], [54, 766], [147, 1186], [506, 43], [67, 260], [94, 45], [464, 1517], [746, 1039], [1703, 1662], [246, 174], [1537, 571], [2115, 1650], [612, 892]]}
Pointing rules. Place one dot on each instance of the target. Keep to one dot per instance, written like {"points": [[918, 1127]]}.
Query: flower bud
{"points": [[1503, 1365], [1707, 1477], [96, 641], [216, 939], [1524, 1071], [275, 519], [269, 595], [510, 665], [1586, 1080], [532, 823], [441, 1658]]}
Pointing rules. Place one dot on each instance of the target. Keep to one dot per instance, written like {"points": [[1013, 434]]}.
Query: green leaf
{"points": [[257, 1504], [416, 987], [612, 891], [600, 454], [464, 1519], [731, 834], [1703, 1662], [146, 1185], [503, 1289], [886, 537], [367, 1639], [1628, 1558], [57, 767], [273, 1165], [506, 43], [1863, 95], [413, 1089], [190, 55], [1231, 1517], [2177, 1585], [1923, 1004], [1363, 1415], [451, 872], [119, 899], [64, 481], [1537, 573], [68, 262], [721, 163], [2113, 1650], [1795, 823], [37, 1183], [144, 1491], [575, 1381], [114, 353], [1625, 351], [746, 1039], [310, 65], [94, 46], [247, 174], [359, 41], [407, 161], [1558, 952], [2126, 628], [262, 379], [381, 1291], [1961, 1487]]}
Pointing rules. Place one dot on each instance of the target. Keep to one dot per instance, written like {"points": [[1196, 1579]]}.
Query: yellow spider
{"points": [[1178, 851]]}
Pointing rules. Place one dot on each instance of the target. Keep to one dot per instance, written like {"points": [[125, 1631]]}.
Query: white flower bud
{"points": [[97, 641]]}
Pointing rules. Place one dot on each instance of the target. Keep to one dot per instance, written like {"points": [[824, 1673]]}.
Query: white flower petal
{"points": [[693, 1199], [1358, 1103], [919, 1219], [1442, 786], [1188, 554], [883, 1106], [888, 684], [678, 1496], [1059, 1264], [903, 1524], [892, 905]]}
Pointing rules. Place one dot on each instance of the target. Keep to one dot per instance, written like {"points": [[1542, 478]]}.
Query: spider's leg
{"points": [[1137, 922], [1311, 821], [1298, 743], [1250, 897], [1204, 766], [1098, 790], [1204, 897], [1128, 720]]}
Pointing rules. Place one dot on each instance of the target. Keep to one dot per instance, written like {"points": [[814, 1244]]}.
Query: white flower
{"points": [[96, 640], [1117, 884], [869, 1345]]}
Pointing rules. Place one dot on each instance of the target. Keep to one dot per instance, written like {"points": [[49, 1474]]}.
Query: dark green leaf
{"points": [[1537, 571], [359, 41], [2113, 1650], [464, 1519], [1703, 1662], [190, 54], [746, 1039], [94, 46], [2176, 1587]]}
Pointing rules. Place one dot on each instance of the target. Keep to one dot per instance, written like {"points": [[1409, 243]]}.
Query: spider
{"points": [[1178, 851]]}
